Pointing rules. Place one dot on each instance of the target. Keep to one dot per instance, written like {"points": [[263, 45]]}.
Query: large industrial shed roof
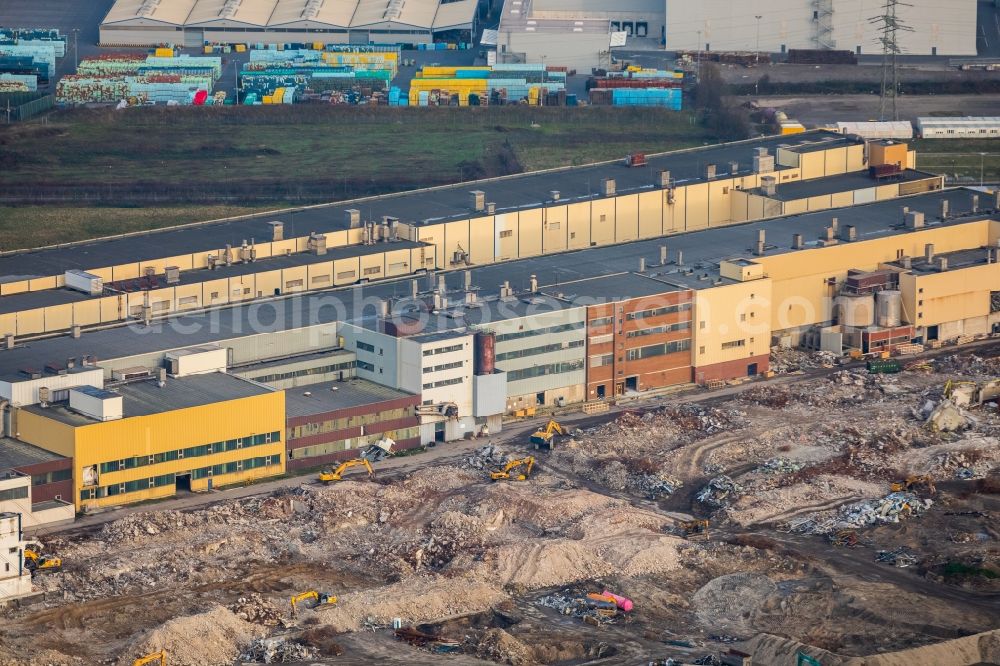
{"points": [[279, 14]]}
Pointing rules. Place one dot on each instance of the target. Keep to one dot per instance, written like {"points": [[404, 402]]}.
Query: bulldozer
{"points": [[914, 481], [318, 599], [694, 530], [160, 657], [329, 475], [544, 438], [527, 463], [36, 561]]}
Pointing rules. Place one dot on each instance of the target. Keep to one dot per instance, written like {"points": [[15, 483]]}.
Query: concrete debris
{"points": [[786, 360], [256, 609], [276, 651], [781, 466], [656, 487], [216, 636], [900, 557], [487, 457], [947, 417], [719, 492], [499, 646]]}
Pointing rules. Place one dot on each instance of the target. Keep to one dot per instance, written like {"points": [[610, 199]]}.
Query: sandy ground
{"points": [[440, 548]]}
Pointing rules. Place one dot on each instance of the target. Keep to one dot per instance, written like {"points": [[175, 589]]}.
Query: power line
{"points": [[888, 25]]}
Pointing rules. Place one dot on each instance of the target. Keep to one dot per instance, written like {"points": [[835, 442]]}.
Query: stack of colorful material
{"points": [[499, 84]]}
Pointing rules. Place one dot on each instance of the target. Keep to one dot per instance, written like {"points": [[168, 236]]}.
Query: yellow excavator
{"points": [[36, 561], [160, 657], [318, 599], [544, 438], [914, 481], [694, 530], [330, 475], [527, 463]]}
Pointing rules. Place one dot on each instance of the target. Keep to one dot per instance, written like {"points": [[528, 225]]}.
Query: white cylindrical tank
{"points": [[888, 308], [856, 310]]}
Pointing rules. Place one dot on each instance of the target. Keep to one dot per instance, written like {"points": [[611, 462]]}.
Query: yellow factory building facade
{"points": [[143, 441]]}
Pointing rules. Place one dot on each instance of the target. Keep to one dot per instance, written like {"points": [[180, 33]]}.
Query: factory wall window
{"points": [[292, 284], [364, 346], [542, 370], [446, 366], [600, 322], [562, 328], [545, 349], [20, 492], [346, 275], [995, 301], [362, 365], [666, 328], [601, 360], [191, 452], [733, 344], [602, 339], [51, 477], [444, 382], [444, 350], [657, 312], [322, 370], [372, 270], [506, 234], [658, 350], [170, 479]]}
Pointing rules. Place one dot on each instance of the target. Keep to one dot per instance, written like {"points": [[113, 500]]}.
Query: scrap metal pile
{"points": [[719, 492], [593, 608]]}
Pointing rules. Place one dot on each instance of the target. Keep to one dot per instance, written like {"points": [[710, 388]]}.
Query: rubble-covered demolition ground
{"points": [[807, 545]]}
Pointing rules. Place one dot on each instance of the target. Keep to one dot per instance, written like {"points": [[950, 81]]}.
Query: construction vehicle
{"points": [[318, 599], [544, 438], [914, 481], [527, 463], [694, 530], [160, 657], [36, 561], [329, 475]]}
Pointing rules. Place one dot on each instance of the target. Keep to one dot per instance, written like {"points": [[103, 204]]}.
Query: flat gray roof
{"points": [[334, 396], [956, 260], [15, 453], [147, 397], [702, 250], [843, 183], [437, 204]]}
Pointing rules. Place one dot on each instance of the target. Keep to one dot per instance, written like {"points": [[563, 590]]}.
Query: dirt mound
{"points": [[415, 600], [497, 645], [726, 604], [37, 658], [212, 638]]}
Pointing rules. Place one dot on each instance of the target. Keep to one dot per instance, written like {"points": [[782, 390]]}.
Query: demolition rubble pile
{"points": [[216, 636], [786, 360], [719, 492], [276, 651], [890, 509], [256, 609], [487, 457]]}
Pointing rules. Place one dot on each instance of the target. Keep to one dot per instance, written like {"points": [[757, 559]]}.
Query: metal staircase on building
{"points": [[823, 23]]}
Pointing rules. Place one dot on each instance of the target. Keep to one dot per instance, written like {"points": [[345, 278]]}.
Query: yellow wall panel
{"points": [[673, 210], [31, 321], [59, 317], [481, 243], [8, 323], [626, 218], [821, 202], [578, 219], [87, 313], [45, 433], [279, 248], [795, 207], [505, 236], [124, 272], [813, 165], [697, 206], [114, 308], [651, 214], [836, 161], [719, 208], [294, 279], [9, 288], [786, 158], [841, 199], [456, 239], [346, 271], [320, 276], [602, 221], [554, 229], [215, 292], [730, 313], [883, 192], [397, 262], [433, 234], [39, 284], [268, 284], [529, 232], [264, 250], [855, 157]]}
